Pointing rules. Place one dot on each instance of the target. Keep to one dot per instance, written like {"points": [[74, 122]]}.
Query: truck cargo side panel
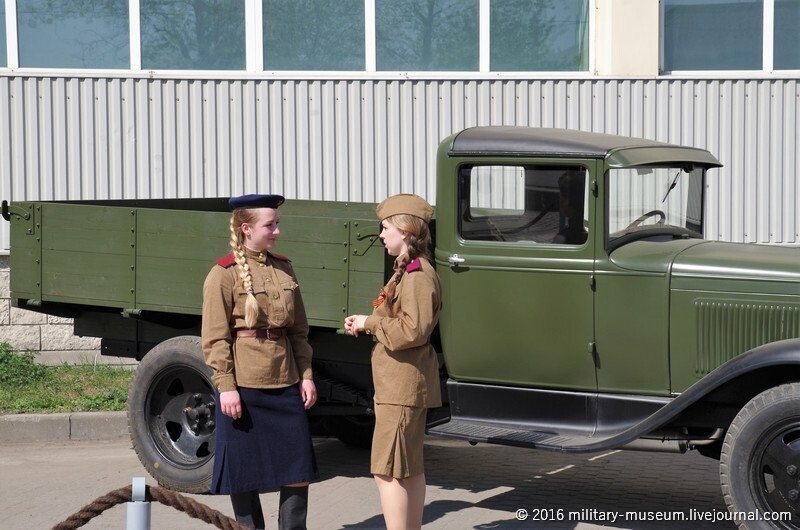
{"points": [[88, 254]]}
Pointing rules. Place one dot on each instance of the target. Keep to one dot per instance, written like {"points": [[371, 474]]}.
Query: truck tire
{"points": [[760, 460], [171, 415]]}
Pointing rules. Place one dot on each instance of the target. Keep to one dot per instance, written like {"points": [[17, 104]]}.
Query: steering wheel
{"points": [[642, 218]]}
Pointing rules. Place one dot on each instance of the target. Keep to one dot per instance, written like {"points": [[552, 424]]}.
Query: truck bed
{"points": [[140, 257]]}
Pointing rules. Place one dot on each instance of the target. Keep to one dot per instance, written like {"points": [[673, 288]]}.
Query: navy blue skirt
{"points": [[269, 446]]}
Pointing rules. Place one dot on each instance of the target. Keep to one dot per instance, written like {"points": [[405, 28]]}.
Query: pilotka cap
{"points": [[255, 200], [406, 203]]}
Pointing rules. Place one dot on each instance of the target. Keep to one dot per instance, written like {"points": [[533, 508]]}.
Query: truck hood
{"points": [[699, 264], [716, 260]]}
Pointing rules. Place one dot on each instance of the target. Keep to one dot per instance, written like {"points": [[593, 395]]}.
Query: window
{"points": [[413, 35], [786, 43], [649, 200], [714, 34], [543, 35], [197, 35], [538, 204], [73, 33], [313, 34]]}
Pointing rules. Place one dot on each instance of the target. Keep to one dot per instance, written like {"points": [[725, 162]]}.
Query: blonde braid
{"points": [[418, 244], [251, 304]]}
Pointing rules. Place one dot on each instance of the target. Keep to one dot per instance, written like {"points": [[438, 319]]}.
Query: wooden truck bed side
{"points": [[142, 256]]}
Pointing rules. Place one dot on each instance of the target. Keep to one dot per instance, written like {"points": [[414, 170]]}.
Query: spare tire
{"points": [[171, 415]]}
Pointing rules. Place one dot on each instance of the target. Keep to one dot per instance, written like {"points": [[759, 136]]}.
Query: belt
{"points": [[262, 333]]}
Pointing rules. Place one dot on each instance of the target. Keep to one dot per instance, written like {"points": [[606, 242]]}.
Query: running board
{"points": [[516, 435]]}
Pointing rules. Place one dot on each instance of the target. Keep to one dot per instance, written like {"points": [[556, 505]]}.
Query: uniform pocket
{"points": [[288, 292]]}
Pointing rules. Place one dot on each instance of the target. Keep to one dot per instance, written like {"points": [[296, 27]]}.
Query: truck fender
{"points": [[738, 379]]}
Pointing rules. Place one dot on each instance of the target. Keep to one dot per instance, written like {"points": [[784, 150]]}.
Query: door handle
{"points": [[455, 260]]}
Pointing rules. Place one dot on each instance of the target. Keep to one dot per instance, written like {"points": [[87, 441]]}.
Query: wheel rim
{"points": [[180, 416], [775, 471]]}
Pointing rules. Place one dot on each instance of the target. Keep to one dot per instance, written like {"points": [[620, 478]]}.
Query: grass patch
{"points": [[27, 387]]}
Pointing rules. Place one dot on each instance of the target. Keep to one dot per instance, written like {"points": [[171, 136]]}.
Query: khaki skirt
{"points": [[397, 441]]}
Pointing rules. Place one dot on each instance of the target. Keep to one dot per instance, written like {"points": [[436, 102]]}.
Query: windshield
{"points": [[645, 201]]}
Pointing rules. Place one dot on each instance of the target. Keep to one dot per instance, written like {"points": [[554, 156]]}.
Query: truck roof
{"points": [[618, 151]]}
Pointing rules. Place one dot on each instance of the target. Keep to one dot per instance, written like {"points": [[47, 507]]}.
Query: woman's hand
{"points": [[230, 404], [354, 324], [308, 392]]}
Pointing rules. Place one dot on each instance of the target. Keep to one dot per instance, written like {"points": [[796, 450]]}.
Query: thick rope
{"points": [[187, 505]]}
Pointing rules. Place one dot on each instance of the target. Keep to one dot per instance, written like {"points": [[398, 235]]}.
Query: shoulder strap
{"points": [[226, 261], [414, 265]]}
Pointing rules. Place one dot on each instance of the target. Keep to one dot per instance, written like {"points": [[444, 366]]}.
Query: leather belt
{"points": [[262, 333]]}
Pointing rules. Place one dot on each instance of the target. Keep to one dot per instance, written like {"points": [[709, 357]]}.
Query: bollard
{"points": [[139, 507]]}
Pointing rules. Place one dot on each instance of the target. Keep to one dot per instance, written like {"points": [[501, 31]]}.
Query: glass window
{"points": [[313, 34], [3, 54], [648, 201], [414, 35], [73, 33], [192, 35], [539, 35], [538, 204], [713, 34], [786, 48]]}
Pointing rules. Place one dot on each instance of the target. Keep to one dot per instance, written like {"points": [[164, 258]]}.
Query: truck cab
{"points": [[583, 309]]}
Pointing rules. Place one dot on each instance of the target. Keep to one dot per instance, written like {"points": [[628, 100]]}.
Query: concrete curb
{"points": [[65, 427]]}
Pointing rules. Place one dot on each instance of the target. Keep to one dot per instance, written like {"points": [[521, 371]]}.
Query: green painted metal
{"points": [[154, 255], [518, 314]]}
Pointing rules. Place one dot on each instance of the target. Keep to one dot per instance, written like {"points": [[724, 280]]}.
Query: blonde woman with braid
{"points": [[255, 338], [405, 369]]}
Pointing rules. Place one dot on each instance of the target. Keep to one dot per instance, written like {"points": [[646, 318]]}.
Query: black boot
{"points": [[247, 509], [293, 508]]}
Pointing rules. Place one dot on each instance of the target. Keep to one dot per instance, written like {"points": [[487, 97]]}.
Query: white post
{"points": [[139, 507]]}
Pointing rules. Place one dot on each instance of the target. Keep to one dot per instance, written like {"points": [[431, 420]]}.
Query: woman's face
{"points": [[262, 233], [393, 238]]}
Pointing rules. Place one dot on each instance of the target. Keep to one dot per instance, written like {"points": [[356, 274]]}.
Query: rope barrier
{"points": [[184, 504]]}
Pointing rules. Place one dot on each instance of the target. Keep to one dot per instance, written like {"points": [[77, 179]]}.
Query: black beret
{"points": [[255, 200]]}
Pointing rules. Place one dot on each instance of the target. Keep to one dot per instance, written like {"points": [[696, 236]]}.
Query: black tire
{"points": [[353, 431], [171, 415], [760, 460]]}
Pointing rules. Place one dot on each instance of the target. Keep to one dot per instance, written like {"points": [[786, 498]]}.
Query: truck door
{"points": [[516, 264]]}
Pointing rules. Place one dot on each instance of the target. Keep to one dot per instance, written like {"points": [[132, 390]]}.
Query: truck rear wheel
{"points": [[760, 460], [171, 415]]}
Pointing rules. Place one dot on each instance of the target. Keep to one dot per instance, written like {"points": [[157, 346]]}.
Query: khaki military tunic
{"points": [[255, 362], [405, 368]]}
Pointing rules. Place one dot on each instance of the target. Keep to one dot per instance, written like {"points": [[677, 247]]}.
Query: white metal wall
{"points": [[354, 140]]}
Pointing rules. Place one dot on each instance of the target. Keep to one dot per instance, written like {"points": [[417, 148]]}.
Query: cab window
{"points": [[523, 203]]}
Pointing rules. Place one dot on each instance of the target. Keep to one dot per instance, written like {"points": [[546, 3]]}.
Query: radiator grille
{"points": [[726, 329]]}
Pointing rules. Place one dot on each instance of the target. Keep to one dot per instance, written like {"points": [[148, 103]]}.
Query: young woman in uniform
{"points": [[405, 368], [255, 338]]}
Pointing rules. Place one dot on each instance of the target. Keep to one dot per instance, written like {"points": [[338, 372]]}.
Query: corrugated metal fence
{"points": [[361, 140]]}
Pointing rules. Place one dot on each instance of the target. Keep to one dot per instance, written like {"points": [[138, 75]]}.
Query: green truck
{"points": [[582, 308]]}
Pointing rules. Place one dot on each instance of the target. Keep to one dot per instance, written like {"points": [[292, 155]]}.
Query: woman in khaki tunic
{"points": [[405, 368], [255, 338]]}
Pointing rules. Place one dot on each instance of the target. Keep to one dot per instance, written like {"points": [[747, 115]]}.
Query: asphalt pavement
{"points": [[77, 458]]}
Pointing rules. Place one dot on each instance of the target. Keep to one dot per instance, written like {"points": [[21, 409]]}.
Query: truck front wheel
{"points": [[760, 460], [171, 415]]}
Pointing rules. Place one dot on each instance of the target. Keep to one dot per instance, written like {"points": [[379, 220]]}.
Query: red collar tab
{"points": [[414, 265], [226, 261], [279, 256]]}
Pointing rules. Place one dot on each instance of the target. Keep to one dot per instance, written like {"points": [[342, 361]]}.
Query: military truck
{"points": [[582, 308]]}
